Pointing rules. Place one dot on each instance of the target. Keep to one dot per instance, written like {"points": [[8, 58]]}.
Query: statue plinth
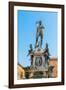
{"points": [[38, 60], [38, 63]]}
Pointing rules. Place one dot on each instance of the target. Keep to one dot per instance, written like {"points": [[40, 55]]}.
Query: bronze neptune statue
{"points": [[39, 35]]}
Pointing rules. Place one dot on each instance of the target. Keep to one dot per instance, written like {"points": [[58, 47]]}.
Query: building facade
{"points": [[20, 72]]}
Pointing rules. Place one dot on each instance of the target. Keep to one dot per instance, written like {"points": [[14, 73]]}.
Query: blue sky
{"points": [[27, 32]]}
